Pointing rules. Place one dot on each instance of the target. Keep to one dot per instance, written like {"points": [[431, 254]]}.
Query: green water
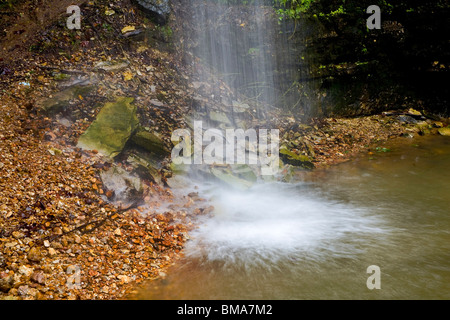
{"points": [[316, 239]]}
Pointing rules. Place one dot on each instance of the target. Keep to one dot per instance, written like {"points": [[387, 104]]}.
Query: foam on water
{"points": [[274, 221]]}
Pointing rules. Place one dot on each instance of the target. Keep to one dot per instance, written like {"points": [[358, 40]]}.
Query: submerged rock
{"points": [[113, 127]]}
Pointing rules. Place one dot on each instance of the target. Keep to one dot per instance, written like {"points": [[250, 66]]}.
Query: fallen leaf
{"points": [[127, 76], [128, 29]]}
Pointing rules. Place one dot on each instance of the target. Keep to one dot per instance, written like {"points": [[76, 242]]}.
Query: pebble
{"points": [[26, 271], [34, 254], [124, 279], [38, 277]]}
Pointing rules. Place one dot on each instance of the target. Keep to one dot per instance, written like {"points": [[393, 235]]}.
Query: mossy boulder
{"points": [[150, 142], [109, 132], [294, 159]]}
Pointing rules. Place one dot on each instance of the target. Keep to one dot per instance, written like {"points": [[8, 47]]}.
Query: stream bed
{"points": [[316, 238]]}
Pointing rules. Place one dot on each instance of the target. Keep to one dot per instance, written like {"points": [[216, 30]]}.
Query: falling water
{"points": [[243, 45]]}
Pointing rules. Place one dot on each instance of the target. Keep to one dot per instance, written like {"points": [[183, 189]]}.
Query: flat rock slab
{"points": [[113, 127], [61, 99]]}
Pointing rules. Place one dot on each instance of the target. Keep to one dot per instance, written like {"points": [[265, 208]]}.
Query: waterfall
{"points": [[241, 59], [243, 46]]}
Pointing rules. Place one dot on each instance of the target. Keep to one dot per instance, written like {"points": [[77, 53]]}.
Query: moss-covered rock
{"points": [[294, 159], [150, 142], [113, 127], [444, 131]]}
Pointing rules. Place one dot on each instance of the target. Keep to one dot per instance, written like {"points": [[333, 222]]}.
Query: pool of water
{"points": [[316, 238]]}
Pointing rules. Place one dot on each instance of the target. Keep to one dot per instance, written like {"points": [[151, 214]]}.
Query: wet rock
{"points": [[240, 107], [17, 234], [127, 187], [26, 292], [414, 112], [227, 176], [244, 172], [444, 131], [124, 279], [294, 159], [219, 117], [150, 142], [112, 128], [407, 119], [145, 168], [160, 9], [112, 65], [52, 252], [61, 100], [156, 103], [424, 128], [179, 168]]}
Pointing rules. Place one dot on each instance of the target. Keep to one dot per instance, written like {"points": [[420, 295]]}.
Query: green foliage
{"points": [[294, 9], [349, 61]]}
